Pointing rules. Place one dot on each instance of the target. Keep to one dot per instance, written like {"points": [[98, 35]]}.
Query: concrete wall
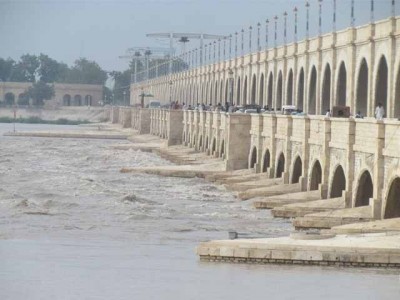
{"points": [[89, 94]]}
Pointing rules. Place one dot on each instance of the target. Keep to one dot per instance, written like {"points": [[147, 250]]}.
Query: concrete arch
{"points": [[270, 90], [216, 100], [221, 92], [244, 91], [297, 170], [312, 92], [300, 90], [392, 208], [326, 89], [253, 158], [338, 184], [280, 166], [226, 91], [365, 189], [23, 99], [88, 100], [67, 100], [9, 98], [261, 90], [238, 89], [396, 105], [266, 161], [213, 146], [222, 149], [341, 85], [279, 91], [381, 83], [253, 90], [362, 88], [289, 89], [316, 176]]}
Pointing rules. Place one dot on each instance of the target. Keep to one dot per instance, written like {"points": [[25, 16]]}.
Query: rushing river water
{"points": [[73, 227]]}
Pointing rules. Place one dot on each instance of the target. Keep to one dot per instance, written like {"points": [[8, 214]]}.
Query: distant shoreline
{"points": [[37, 120]]}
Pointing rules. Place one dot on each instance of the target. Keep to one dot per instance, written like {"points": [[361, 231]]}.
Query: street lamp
{"points": [[230, 76], [125, 98]]}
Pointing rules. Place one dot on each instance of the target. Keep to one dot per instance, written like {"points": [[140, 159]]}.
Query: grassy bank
{"points": [[37, 120]]}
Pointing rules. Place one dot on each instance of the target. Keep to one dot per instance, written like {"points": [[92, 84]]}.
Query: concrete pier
{"points": [[379, 250]]}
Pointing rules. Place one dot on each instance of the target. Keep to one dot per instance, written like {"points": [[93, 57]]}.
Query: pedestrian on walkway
{"points": [[379, 112]]}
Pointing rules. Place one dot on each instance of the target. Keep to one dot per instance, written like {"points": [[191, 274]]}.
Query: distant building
{"points": [[65, 94]]}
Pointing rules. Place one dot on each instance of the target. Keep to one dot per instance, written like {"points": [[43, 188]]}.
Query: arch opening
{"points": [[78, 100], [297, 170], [289, 91], [300, 91], [238, 92], [261, 93], [280, 168], [253, 159], [267, 161], [365, 190], [279, 92], [67, 100], [397, 97], [213, 146], [312, 97], [222, 152], [382, 83], [392, 209], [270, 89], [253, 90], [316, 176], [341, 89], [9, 99], [338, 183], [244, 91], [362, 89], [326, 89]]}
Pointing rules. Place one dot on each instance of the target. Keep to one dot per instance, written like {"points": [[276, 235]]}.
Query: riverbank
{"points": [[37, 120]]}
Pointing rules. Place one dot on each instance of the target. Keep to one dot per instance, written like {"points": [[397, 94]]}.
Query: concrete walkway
{"points": [[280, 200], [372, 250], [243, 186], [270, 191], [329, 219], [304, 208], [388, 225]]}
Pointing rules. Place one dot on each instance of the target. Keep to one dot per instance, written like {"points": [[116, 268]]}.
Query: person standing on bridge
{"points": [[379, 112]]}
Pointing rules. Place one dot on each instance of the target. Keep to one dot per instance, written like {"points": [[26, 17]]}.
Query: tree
{"points": [[39, 92], [108, 95], [26, 69], [51, 70], [122, 82], [6, 68], [86, 72]]}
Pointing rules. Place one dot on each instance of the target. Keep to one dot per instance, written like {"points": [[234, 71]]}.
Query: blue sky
{"points": [[102, 30]]}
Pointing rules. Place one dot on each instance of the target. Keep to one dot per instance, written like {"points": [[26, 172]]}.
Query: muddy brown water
{"points": [[73, 227]]}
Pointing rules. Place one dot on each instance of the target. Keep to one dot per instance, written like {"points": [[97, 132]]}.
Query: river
{"points": [[73, 227]]}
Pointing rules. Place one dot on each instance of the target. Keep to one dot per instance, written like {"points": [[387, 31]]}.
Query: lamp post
{"points": [[124, 93], [230, 76]]}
